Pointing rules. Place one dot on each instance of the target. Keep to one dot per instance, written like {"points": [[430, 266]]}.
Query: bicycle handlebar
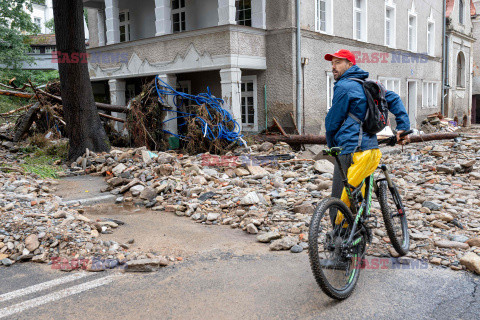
{"points": [[393, 139]]}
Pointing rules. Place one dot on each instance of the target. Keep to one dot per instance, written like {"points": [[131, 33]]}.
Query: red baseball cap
{"points": [[342, 54]]}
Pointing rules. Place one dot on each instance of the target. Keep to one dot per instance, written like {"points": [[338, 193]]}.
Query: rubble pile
{"points": [[268, 191], [38, 226], [437, 122], [273, 197]]}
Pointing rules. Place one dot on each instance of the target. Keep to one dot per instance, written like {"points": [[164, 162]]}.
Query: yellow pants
{"points": [[364, 164]]}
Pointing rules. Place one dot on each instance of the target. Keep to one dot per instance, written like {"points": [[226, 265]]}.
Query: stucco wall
{"points": [[93, 25], [315, 73], [343, 21], [476, 51]]}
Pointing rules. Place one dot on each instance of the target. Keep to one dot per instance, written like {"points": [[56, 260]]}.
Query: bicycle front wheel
{"points": [[326, 239], [394, 217]]}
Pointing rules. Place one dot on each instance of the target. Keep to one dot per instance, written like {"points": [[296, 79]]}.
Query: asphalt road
{"points": [[225, 274]]}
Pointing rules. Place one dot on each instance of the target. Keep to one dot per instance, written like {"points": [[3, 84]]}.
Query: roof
{"points": [[43, 39]]}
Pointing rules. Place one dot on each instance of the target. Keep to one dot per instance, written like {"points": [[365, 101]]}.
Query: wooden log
{"points": [[27, 95], [106, 116], [314, 139]]}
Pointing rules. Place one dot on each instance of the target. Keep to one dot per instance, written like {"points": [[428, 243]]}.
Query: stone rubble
{"points": [[273, 200]]}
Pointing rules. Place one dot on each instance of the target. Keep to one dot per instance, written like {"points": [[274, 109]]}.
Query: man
{"points": [[343, 131]]}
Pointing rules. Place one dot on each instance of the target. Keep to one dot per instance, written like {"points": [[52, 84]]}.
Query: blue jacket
{"points": [[348, 96]]}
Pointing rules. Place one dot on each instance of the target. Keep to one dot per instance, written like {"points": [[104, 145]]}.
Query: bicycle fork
{"points": [[393, 191]]}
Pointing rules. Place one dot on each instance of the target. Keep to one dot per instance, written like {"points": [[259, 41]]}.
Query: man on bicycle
{"points": [[360, 156]]}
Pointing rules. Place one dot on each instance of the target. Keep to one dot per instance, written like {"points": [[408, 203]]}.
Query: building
{"points": [[245, 52], [459, 62], [43, 44], [476, 65]]}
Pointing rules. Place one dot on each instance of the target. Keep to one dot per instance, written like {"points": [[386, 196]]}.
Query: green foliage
{"points": [[50, 24], [15, 24], [42, 161]]}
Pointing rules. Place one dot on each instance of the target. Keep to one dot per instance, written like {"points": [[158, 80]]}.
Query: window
{"points": [[412, 32], [38, 22], [360, 20], [461, 70], [178, 15], [330, 85], [50, 49], [324, 16], [35, 50], [244, 12], [390, 25], [461, 11], [249, 103], [430, 94], [431, 38], [391, 84], [124, 17]]}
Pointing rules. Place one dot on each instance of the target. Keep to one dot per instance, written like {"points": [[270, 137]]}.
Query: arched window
{"points": [[461, 70], [461, 11]]}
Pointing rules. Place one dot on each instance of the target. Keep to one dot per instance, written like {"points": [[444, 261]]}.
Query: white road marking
{"points": [[20, 307], [42, 286]]}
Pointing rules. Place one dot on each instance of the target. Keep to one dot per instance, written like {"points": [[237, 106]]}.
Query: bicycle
{"points": [[337, 246]]}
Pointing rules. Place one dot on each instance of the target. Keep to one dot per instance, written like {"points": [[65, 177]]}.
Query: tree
{"points": [[15, 25], [83, 126]]}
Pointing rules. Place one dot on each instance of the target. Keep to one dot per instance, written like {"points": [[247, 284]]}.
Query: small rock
{"points": [[31, 242], [451, 244], [324, 166], [283, 244], [472, 261], [251, 228], [296, 249], [269, 236], [146, 265], [6, 262]]}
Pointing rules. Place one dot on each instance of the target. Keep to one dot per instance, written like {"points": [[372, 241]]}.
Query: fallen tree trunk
{"points": [[25, 122], [27, 95], [313, 139]]}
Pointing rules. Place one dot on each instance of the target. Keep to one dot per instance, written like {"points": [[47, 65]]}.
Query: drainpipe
{"points": [[299, 71], [444, 54]]}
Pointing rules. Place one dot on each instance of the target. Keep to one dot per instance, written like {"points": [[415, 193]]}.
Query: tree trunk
{"points": [[83, 126]]}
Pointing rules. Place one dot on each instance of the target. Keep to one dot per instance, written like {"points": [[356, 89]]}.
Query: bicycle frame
{"points": [[354, 194]]}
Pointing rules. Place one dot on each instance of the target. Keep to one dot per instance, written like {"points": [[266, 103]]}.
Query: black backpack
{"points": [[377, 108]]}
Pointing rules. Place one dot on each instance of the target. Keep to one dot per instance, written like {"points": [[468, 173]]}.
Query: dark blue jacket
{"points": [[348, 96]]}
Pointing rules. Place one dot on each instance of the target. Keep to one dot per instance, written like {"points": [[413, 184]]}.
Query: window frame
{"points": [[180, 10], [431, 45], [430, 94], [244, 22], [249, 126], [390, 5], [414, 32], [126, 24], [396, 81], [328, 17], [461, 12], [363, 20], [330, 86], [461, 72]]}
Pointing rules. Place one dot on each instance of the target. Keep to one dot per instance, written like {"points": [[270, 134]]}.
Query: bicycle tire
{"points": [[401, 243], [321, 215]]}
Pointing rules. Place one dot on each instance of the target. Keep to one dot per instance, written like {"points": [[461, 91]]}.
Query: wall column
{"points": [[172, 125], [259, 14], [117, 97], [112, 21], [163, 17], [227, 12], [230, 81], [101, 27]]}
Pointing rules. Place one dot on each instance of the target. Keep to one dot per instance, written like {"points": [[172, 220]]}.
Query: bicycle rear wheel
{"points": [[325, 243], [394, 217]]}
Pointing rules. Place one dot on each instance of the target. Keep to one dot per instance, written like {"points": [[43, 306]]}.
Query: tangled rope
{"points": [[226, 127]]}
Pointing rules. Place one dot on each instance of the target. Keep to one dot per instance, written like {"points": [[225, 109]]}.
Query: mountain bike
{"points": [[337, 246]]}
